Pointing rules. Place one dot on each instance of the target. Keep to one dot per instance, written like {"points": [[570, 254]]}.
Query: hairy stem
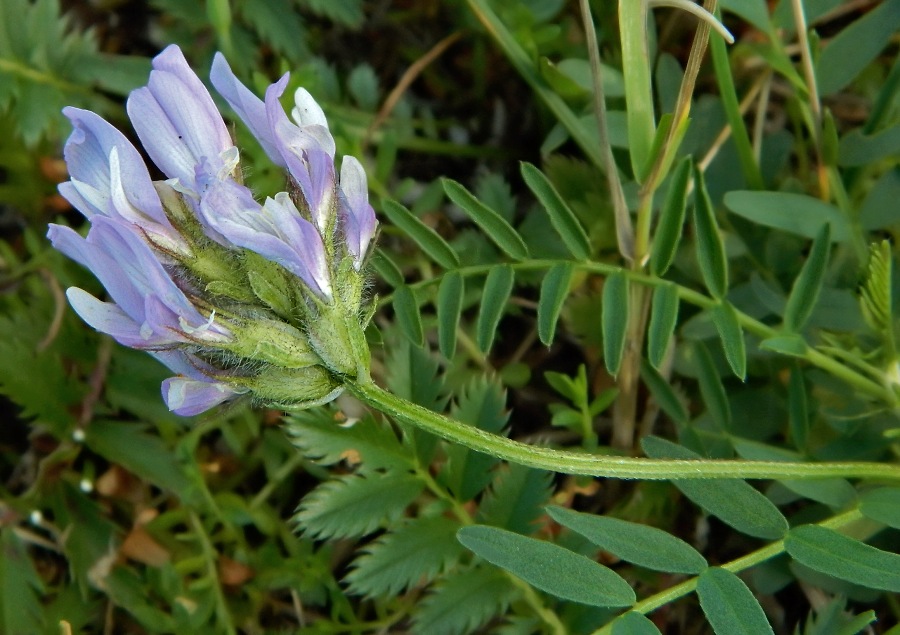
{"points": [[572, 462]]}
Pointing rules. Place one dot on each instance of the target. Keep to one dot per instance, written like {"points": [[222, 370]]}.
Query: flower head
{"points": [[232, 294]]}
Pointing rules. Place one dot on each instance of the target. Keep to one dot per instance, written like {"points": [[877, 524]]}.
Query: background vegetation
{"points": [[119, 517]]}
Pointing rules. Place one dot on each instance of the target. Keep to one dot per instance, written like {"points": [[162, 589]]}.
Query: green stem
{"points": [[752, 559], [570, 462]]}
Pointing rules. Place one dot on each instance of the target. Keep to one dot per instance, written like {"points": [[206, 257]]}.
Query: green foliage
{"points": [[117, 515]]}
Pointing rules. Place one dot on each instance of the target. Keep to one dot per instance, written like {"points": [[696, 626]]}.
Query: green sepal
{"points": [[273, 342], [292, 388], [272, 285], [339, 340]]}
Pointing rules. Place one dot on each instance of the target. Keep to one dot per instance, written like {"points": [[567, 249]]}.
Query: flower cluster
{"points": [[233, 295]]}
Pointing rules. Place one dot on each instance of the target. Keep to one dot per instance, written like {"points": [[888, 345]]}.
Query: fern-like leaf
{"points": [[875, 295]]}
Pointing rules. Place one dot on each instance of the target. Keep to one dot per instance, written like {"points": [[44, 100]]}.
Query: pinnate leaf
{"points": [[426, 238], [805, 292], [614, 321], [663, 318], [449, 307], [515, 498], [671, 220], [414, 553], [462, 601], [355, 505], [497, 287], [406, 308]]}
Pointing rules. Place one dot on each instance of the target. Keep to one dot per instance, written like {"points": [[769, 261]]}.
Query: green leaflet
{"points": [[355, 505], [640, 544], [671, 220], [431, 243], [794, 213], [729, 605], [663, 319], [851, 50], [449, 307], [548, 567], [710, 248], [614, 321], [805, 291], [734, 502], [732, 338], [387, 268], [840, 556], [497, 287], [634, 623], [491, 223], [554, 291], [882, 505], [406, 309], [561, 215], [414, 553], [664, 394]]}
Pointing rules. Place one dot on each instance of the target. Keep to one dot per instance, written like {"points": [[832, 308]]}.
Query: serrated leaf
{"points": [[491, 223], [415, 553], [663, 318], [371, 444], [614, 321], [278, 25], [639, 544], [561, 215], [346, 12], [634, 623], [426, 238], [497, 288], [825, 550], [355, 505], [734, 502], [732, 337], [729, 605], [482, 404], [515, 498], [882, 505], [710, 248], [20, 588], [805, 291], [463, 601], [711, 388], [548, 567], [875, 295], [554, 291], [664, 394], [449, 308], [406, 310]]}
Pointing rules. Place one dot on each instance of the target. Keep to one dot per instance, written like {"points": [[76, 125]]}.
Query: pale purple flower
{"points": [[149, 310], [108, 177], [178, 123], [275, 230], [194, 389], [306, 148]]}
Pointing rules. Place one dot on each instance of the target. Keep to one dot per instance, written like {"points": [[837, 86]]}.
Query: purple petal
{"points": [[359, 217], [275, 231], [176, 119], [103, 163], [107, 317], [189, 397], [248, 106]]}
